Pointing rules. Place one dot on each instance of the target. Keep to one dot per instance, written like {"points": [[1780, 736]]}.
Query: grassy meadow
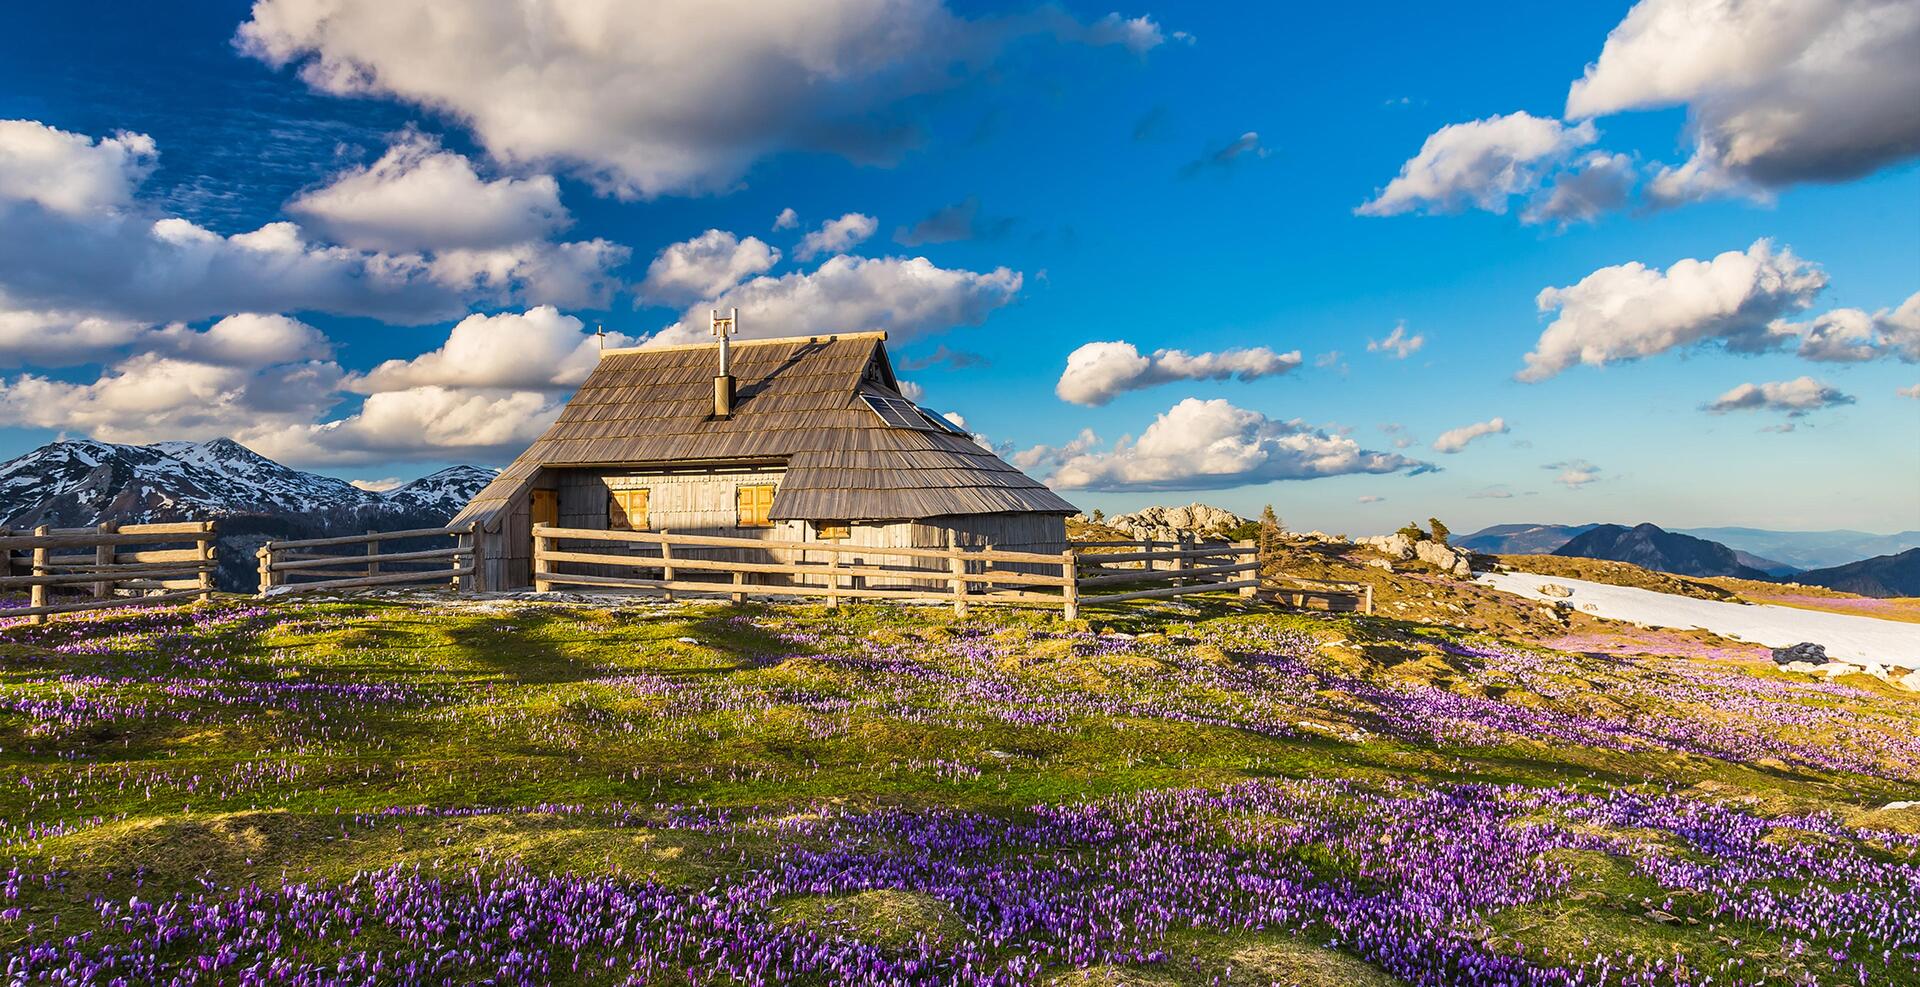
{"points": [[525, 793]]}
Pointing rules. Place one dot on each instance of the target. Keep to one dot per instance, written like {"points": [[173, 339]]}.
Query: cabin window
{"points": [[754, 505], [627, 510], [832, 530]]}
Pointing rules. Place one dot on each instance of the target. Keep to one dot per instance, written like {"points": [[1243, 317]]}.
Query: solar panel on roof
{"points": [[942, 424], [898, 412]]}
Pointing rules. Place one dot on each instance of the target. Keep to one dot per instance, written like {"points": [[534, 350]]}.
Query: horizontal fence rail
{"points": [[1357, 597], [1166, 569], [105, 561], [295, 567], [691, 565], [696, 565]]}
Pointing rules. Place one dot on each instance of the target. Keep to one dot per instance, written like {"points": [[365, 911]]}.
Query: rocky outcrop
{"points": [[1169, 523], [1804, 651], [1811, 659], [1455, 562], [1555, 590]]}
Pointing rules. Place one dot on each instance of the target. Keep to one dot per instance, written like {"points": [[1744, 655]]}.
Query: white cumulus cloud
{"points": [[1630, 311], [907, 297], [836, 236], [1481, 163], [1045, 458], [1777, 91], [1398, 344], [1455, 439], [1795, 397], [71, 173], [661, 97], [705, 266], [103, 255], [1573, 473], [420, 423], [1851, 335], [419, 197], [1097, 373], [1598, 183], [537, 349], [1202, 445]]}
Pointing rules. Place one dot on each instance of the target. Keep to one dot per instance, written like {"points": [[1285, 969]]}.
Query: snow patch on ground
{"points": [[1865, 638]]}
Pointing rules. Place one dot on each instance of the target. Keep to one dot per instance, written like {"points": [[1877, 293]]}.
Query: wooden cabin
{"points": [[805, 439]]}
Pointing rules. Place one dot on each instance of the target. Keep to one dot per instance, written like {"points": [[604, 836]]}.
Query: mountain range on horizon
{"points": [[1777, 553], [78, 483], [1888, 574], [1650, 546]]}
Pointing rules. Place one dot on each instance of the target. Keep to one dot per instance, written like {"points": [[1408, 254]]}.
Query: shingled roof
{"points": [[798, 402]]}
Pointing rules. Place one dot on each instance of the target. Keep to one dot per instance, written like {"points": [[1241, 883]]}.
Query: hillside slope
{"points": [[1882, 576], [1652, 547]]}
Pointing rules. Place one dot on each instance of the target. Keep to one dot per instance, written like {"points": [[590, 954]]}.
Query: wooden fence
{"points": [[1186, 565], [1193, 565], [1355, 597], [103, 561], [315, 565], [693, 565]]}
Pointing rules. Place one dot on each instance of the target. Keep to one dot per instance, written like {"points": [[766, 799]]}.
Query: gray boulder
{"points": [[1806, 651]]}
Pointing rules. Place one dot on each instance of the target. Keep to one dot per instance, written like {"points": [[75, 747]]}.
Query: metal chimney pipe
{"points": [[723, 385]]}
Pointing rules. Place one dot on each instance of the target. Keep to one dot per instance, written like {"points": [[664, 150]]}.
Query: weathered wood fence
{"points": [[670, 564], [103, 561], [1354, 597], [694, 565], [315, 565], [1187, 565]]}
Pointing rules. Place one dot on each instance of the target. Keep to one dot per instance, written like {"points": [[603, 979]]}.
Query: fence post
{"points": [[204, 549], [957, 566], [540, 545], [373, 553], [739, 580], [37, 597], [666, 570], [1070, 585], [986, 571], [1249, 550], [1367, 603], [465, 540], [1181, 542], [265, 555], [103, 557], [833, 579], [1147, 545]]}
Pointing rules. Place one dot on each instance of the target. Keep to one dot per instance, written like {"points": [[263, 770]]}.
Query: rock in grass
{"points": [[1804, 651]]}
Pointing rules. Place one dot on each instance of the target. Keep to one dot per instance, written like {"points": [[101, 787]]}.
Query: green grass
{"points": [[608, 715]]}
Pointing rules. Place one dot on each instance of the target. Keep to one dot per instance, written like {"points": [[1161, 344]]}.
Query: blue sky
{"points": [[1172, 178]]}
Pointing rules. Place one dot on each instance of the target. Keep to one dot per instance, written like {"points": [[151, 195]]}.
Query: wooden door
{"points": [[545, 507]]}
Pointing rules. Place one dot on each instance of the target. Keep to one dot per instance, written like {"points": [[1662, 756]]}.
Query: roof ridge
{"points": [[879, 334]]}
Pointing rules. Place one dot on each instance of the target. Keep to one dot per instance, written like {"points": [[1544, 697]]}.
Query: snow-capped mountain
{"points": [[444, 492], [85, 482], [82, 483]]}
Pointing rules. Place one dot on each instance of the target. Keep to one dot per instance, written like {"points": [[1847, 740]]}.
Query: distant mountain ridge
{"points": [[1521, 539], [1650, 546], [1881, 576], [81, 483], [1809, 549]]}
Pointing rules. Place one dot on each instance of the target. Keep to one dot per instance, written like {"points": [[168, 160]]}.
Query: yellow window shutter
{"points": [[627, 510], [753, 505]]}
